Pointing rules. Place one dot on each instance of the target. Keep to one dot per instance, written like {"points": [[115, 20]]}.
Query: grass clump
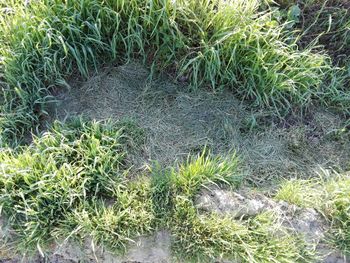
{"points": [[298, 192], [60, 171], [206, 237], [210, 43], [259, 239], [328, 24], [188, 178], [329, 196], [126, 214]]}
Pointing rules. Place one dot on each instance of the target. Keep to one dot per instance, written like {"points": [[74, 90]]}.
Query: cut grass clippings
{"points": [[75, 180]]}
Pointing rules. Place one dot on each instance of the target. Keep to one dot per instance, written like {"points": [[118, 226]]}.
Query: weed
{"points": [[205, 170]]}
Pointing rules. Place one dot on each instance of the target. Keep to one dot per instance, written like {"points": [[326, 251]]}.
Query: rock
{"points": [[335, 257], [244, 204], [305, 221], [330, 255], [230, 203]]}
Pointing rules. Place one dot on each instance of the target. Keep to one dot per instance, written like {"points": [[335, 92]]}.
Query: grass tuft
{"points": [[203, 171], [59, 171]]}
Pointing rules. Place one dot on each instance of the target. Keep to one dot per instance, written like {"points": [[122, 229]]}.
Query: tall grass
{"points": [[58, 173], [328, 22], [212, 43]]}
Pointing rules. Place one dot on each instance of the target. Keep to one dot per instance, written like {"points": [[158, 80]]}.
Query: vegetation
{"points": [[75, 179], [42, 183], [43, 42], [261, 239], [61, 184], [331, 196], [329, 23]]}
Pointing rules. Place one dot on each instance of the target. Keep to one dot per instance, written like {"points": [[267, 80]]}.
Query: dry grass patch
{"points": [[179, 122]]}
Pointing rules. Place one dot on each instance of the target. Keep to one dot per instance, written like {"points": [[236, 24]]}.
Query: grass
{"points": [[330, 196], [45, 42], [261, 239], [130, 214], [73, 182], [329, 23], [57, 173], [187, 179], [298, 192], [201, 238]]}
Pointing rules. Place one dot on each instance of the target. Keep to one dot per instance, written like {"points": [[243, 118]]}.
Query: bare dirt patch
{"points": [[147, 249], [179, 122]]}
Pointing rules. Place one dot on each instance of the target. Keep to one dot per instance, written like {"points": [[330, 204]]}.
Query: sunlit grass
{"points": [[260, 239], [72, 164], [73, 182], [330, 196], [229, 44]]}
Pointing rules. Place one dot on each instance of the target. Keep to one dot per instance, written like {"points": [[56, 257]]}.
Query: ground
{"points": [[174, 131], [179, 122]]}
